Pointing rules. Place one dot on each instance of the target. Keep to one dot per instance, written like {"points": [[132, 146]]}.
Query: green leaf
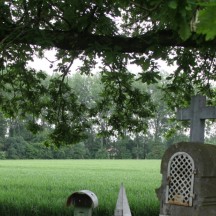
{"points": [[145, 65], [184, 30], [173, 4], [207, 4], [207, 22], [150, 77]]}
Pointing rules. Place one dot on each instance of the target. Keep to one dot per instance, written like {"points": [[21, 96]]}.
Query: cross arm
{"points": [[208, 113]]}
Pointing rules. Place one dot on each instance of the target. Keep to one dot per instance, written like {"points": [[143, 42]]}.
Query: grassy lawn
{"points": [[41, 187]]}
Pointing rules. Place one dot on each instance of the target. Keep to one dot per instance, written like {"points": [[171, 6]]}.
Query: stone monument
{"points": [[189, 169], [197, 113]]}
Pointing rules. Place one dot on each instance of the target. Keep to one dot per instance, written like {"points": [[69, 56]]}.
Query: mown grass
{"points": [[41, 187]]}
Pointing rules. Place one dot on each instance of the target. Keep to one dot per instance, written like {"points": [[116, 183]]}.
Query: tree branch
{"points": [[74, 40]]}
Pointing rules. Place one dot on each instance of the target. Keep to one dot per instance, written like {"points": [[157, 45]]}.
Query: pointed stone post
{"points": [[122, 206]]}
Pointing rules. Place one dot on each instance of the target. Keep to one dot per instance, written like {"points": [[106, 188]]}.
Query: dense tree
{"points": [[3, 127], [116, 33], [15, 147], [3, 131]]}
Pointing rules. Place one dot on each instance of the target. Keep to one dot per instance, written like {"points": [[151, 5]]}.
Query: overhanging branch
{"points": [[73, 40]]}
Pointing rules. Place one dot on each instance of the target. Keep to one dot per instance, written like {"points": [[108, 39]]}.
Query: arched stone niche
{"points": [[188, 184]]}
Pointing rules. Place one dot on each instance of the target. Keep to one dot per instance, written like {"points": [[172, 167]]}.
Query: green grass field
{"points": [[41, 187]]}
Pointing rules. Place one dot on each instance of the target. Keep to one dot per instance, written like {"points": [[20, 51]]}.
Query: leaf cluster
{"points": [[115, 33]]}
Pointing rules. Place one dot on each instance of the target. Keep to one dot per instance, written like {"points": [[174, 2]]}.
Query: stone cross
{"points": [[197, 113]]}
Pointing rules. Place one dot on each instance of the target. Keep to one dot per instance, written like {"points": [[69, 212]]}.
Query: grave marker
{"points": [[197, 113], [189, 171]]}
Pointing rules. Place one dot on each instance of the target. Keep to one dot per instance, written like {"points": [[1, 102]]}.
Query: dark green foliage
{"points": [[126, 107], [113, 33], [15, 147], [3, 130], [207, 19], [150, 142]]}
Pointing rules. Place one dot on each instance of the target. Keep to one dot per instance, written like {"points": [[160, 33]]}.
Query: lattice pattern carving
{"points": [[179, 190]]}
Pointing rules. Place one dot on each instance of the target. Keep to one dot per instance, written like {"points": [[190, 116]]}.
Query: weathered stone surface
{"points": [[204, 181], [122, 205], [197, 113]]}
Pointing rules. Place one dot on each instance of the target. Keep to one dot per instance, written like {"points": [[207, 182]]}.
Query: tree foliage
{"points": [[16, 142], [116, 33]]}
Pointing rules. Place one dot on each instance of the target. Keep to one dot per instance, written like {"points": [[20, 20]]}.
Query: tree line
{"points": [[17, 142], [161, 129]]}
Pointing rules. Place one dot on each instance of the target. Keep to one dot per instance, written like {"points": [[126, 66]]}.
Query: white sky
{"points": [[44, 64]]}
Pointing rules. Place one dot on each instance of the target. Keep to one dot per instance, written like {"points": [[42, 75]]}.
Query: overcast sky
{"points": [[44, 64]]}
